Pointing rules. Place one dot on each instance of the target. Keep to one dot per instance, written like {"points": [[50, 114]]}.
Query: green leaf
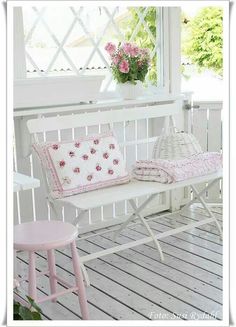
{"points": [[33, 304], [25, 313], [16, 307], [16, 316], [36, 316]]}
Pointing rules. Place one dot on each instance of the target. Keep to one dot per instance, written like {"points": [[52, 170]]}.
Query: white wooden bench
{"points": [[89, 200]]}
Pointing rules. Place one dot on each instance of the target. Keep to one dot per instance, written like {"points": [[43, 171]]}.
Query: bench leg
{"points": [[156, 242], [52, 272], [187, 205], [135, 214], [210, 213], [79, 217]]}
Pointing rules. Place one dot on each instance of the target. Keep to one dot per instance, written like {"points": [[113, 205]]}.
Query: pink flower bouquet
{"points": [[129, 63]]}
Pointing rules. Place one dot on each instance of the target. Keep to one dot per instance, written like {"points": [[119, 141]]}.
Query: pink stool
{"points": [[48, 236]]}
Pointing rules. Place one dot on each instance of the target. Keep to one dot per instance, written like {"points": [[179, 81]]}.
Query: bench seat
{"points": [[133, 189]]}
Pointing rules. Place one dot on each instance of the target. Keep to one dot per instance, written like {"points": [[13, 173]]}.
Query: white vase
{"points": [[129, 91]]}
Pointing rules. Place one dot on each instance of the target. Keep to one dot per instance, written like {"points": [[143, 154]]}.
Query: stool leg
{"points": [[32, 276], [15, 262], [79, 282], [52, 272]]}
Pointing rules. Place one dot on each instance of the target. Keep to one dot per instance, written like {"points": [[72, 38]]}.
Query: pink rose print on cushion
{"points": [[77, 144], [71, 154], [96, 141], [110, 171], [55, 146], [115, 161], [92, 151], [105, 155], [62, 163], [76, 170], [112, 146], [85, 157], [89, 177], [98, 167]]}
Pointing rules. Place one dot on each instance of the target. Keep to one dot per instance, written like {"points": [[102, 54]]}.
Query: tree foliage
{"points": [[203, 39]]}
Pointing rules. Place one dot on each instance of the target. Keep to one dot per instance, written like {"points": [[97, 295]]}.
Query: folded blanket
{"points": [[171, 171]]}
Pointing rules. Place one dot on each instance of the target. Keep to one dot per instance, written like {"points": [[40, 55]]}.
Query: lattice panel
{"points": [[70, 40]]}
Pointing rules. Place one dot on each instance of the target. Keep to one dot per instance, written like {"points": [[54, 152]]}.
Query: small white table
{"points": [[23, 182]]}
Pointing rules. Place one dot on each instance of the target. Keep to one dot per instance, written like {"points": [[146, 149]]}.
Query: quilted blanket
{"points": [[171, 171]]}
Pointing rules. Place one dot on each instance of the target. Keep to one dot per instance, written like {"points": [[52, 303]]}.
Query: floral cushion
{"points": [[86, 164]]}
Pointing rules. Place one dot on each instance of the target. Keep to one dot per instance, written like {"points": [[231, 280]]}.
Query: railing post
{"points": [[187, 106], [181, 196]]}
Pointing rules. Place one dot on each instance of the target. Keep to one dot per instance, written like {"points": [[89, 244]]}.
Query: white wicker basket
{"points": [[175, 145]]}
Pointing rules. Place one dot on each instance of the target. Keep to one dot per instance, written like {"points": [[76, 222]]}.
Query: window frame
{"points": [[165, 53]]}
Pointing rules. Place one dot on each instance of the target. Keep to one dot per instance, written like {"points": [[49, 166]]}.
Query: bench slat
{"points": [[95, 118]]}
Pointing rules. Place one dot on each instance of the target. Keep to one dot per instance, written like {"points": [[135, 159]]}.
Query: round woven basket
{"points": [[175, 145]]}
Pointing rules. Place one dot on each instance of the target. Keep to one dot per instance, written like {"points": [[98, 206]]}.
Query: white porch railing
{"points": [[204, 120]]}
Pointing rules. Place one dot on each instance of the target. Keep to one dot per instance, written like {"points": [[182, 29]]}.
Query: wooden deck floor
{"points": [[135, 285]]}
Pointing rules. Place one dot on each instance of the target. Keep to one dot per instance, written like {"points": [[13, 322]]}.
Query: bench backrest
{"points": [[47, 124], [136, 129]]}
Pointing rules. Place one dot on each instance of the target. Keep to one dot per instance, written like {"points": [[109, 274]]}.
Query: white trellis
{"points": [[77, 20]]}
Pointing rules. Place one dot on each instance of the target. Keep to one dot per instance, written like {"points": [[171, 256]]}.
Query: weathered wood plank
{"points": [[216, 211], [97, 297], [187, 246], [179, 253], [135, 284], [211, 229], [148, 259], [205, 231], [55, 312], [179, 293], [175, 263], [190, 236], [136, 306]]}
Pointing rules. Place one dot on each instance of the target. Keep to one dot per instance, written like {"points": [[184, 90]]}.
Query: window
{"points": [[71, 40]]}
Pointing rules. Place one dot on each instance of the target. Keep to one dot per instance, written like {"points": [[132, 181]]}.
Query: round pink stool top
{"points": [[43, 235]]}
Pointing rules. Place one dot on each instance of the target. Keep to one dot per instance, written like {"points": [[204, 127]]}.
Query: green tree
{"points": [[202, 40]]}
